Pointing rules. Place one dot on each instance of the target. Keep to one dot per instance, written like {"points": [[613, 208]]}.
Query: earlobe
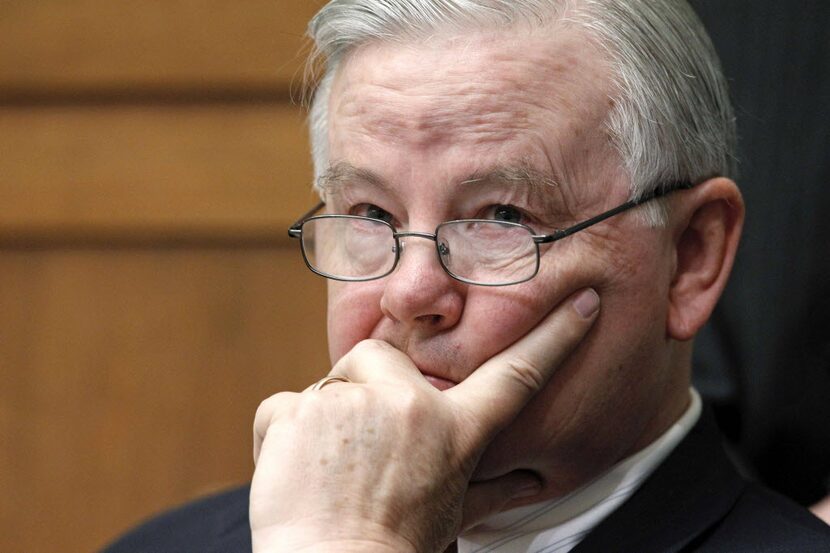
{"points": [[707, 224]]}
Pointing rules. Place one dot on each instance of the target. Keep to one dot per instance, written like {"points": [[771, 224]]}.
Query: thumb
{"points": [[491, 496]]}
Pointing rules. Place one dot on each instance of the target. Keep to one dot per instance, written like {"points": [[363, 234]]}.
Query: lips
{"points": [[435, 364], [440, 383]]}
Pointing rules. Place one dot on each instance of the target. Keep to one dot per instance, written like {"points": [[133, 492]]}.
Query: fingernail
{"points": [[528, 490], [586, 303]]}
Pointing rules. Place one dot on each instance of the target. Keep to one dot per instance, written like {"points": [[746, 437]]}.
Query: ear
{"points": [[706, 226]]}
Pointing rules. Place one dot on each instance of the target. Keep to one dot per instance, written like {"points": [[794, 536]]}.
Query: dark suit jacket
{"points": [[695, 501]]}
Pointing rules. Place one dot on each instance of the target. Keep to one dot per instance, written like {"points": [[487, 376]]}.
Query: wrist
{"points": [[282, 540], [350, 546]]}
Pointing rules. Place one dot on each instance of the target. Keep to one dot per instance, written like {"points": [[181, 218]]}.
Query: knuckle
{"points": [[371, 346], [313, 401], [525, 373], [409, 399], [273, 405], [366, 349], [271, 412], [412, 406]]}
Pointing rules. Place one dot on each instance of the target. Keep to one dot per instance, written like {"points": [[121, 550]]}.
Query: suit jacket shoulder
{"points": [[216, 524], [763, 520], [697, 502]]}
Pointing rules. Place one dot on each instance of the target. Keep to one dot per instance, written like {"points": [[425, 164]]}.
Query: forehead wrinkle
{"points": [[473, 111], [486, 98]]}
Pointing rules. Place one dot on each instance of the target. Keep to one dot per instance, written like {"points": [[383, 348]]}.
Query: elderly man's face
{"points": [[502, 111]]}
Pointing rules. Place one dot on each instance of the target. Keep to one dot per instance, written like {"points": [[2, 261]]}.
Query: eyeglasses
{"points": [[483, 252]]}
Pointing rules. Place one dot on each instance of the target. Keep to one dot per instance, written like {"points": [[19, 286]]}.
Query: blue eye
{"points": [[507, 213]]}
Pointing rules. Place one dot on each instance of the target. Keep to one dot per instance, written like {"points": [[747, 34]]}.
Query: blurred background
{"points": [[151, 160]]}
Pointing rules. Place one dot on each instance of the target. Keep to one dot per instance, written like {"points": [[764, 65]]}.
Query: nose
{"points": [[419, 293]]}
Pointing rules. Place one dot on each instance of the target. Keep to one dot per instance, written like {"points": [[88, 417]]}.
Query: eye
{"points": [[508, 213], [373, 212]]}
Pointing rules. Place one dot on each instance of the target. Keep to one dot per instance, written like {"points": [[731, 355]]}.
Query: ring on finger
{"points": [[328, 380]]}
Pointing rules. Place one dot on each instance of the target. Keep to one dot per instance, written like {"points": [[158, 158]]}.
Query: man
{"points": [[482, 165]]}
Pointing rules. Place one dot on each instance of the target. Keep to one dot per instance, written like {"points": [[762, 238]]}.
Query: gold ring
{"points": [[328, 380]]}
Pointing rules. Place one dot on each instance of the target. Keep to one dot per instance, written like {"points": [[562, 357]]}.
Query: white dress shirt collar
{"points": [[558, 525]]}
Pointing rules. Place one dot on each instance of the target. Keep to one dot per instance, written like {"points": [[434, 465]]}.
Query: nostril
{"points": [[431, 320]]}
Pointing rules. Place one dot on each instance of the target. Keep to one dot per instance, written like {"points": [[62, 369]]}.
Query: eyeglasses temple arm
{"points": [[294, 231], [658, 193]]}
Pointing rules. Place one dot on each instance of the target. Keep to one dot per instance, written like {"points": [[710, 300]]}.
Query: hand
{"points": [[383, 463], [822, 509]]}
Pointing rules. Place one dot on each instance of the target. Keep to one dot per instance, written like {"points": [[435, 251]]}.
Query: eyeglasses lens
{"points": [[488, 252], [349, 248]]}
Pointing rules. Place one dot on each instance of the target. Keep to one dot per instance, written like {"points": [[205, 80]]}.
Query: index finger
{"points": [[496, 392]]}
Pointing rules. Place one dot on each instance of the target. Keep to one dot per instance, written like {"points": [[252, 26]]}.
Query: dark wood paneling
{"points": [[129, 380], [150, 162], [215, 171], [56, 45]]}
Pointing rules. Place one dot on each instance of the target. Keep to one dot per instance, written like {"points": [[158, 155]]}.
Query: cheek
{"points": [[494, 322], [353, 313], [496, 318]]}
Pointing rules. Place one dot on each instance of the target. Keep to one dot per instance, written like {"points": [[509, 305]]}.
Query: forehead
{"points": [[539, 96]]}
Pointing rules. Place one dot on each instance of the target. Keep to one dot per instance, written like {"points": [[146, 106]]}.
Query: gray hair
{"points": [[671, 121]]}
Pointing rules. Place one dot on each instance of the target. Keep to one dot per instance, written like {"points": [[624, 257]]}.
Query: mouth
{"points": [[440, 370], [438, 382]]}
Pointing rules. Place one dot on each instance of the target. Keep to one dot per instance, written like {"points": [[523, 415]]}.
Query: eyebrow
{"points": [[540, 184], [523, 173], [342, 173]]}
